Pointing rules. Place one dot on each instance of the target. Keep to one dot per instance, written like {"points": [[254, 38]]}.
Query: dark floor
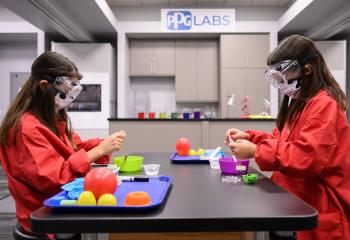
{"points": [[7, 209]]}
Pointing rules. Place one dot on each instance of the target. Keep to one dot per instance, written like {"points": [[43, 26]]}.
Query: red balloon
{"points": [[100, 181], [183, 146]]}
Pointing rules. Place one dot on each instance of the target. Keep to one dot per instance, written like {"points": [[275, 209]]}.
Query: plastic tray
{"points": [[187, 159], [157, 188]]}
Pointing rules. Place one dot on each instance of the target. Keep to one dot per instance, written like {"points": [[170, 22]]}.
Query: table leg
{"points": [[95, 236], [89, 236], [262, 235]]}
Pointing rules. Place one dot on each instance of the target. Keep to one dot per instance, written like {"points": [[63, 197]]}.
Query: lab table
{"points": [[197, 201]]}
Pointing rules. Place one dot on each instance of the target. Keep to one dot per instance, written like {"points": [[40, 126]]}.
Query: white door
{"points": [[17, 80]]}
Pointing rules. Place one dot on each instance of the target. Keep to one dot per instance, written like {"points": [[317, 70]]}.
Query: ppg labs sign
{"points": [[198, 20]]}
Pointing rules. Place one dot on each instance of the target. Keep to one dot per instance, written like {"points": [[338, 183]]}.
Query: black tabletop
{"points": [[197, 201], [192, 120]]}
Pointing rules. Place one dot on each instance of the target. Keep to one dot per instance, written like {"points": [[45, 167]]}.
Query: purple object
{"points": [[197, 115], [229, 166]]}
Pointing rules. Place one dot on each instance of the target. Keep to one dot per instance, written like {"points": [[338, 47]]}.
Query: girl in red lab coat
{"points": [[39, 150], [309, 150]]}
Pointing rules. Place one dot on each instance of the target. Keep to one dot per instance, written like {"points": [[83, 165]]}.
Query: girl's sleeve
{"points": [[89, 144], [309, 154], [257, 137], [43, 166]]}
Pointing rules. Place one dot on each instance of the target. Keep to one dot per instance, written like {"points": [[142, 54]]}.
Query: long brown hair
{"points": [[40, 102], [304, 50]]}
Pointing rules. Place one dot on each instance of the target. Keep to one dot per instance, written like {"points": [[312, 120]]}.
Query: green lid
{"points": [[250, 178]]}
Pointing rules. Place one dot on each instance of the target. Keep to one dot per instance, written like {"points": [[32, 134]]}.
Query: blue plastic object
{"points": [[195, 159], [208, 152], [156, 187], [74, 188]]}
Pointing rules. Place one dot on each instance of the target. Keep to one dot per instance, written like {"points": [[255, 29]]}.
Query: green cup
{"points": [[131, 164], [174, 115]]}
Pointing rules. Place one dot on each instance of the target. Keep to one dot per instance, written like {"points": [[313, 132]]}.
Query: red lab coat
{"points": [[40, 163], [311, 159]]}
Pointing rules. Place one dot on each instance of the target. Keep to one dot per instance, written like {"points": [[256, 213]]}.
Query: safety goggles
{"points": [[282, 72], [69, 87]]}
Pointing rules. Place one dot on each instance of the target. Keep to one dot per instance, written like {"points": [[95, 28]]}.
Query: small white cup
{"points": [[151, 169], [214, 163]]}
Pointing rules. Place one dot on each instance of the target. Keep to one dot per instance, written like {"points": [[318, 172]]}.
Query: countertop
{"points": [[196, 120]]}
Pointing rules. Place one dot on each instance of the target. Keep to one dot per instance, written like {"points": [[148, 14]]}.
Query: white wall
{"points": [[7, 15], [334, 53], [11, 23], [158, 94], [14, 57], [96, 63], [147, 21], [151, 14], [16, 54]]}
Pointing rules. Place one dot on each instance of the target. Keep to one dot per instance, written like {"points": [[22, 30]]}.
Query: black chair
{"points": [[19, 234]]}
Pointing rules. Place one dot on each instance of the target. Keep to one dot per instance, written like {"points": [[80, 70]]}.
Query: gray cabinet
{"points": [[244, 51], [148, 136], [152, 57], [242, 65], [186, 71], [196, 70]]}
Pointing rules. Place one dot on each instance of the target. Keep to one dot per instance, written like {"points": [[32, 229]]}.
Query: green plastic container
{"points": [[131, 164], [250, 178]]}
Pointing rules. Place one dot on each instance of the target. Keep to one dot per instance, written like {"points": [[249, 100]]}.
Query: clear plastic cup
{"points": [[151, 169], [197, 113], [162, 115], [151, 115], [186, 113], [214, 163]]}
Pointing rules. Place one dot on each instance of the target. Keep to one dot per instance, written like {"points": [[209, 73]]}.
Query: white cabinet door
{"points": [[243, 62], [232, 82], [233, 51], [254, 78], [256, 50], [152, 57], [197, 71], [141, 57], [207, 71], [164, 57], [186, 71]]}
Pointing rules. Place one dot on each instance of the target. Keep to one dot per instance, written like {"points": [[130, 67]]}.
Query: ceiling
{"points": [[329, 18], [199, 3], [65, 18]]}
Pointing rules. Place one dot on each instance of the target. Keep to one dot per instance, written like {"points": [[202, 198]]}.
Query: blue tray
{"points": [[186, 159], [156, 187]]}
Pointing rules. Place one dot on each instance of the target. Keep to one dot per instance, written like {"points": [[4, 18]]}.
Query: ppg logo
{"points": [[179, 20]]}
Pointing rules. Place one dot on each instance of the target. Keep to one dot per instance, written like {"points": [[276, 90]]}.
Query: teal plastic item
{"points": [[131, 164], [68, 202], [250, 178]]}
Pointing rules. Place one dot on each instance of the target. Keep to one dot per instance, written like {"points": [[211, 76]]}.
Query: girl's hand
{"points": [[113, 142], [120, 134], [243, 149], [234, 134]]}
